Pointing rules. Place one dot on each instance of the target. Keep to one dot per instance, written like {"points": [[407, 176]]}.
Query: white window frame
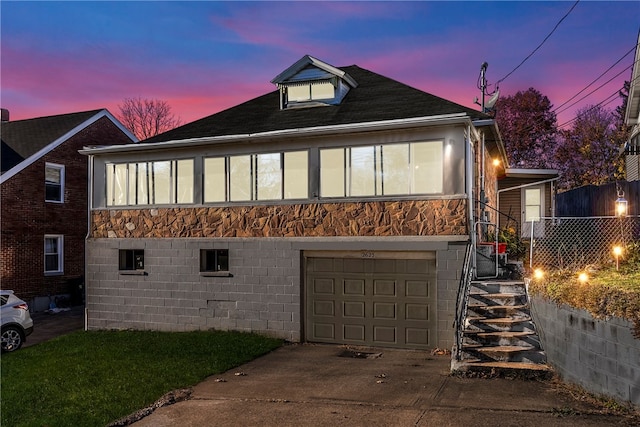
{"points": [[62, 170], [60, 246]]}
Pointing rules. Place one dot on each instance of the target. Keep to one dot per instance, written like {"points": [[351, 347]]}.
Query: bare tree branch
{"points": [[147, 117]]}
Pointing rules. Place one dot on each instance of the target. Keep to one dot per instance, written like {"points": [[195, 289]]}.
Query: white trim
{"points": [[461, 118], [54, 144]]}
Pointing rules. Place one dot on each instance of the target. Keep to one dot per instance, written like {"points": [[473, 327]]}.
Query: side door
{"points": [[532, 210]]}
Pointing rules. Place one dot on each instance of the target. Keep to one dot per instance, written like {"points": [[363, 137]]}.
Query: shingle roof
{"points": [[376, 98], [23, 138]]}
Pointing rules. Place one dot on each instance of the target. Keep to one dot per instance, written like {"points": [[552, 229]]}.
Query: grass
{"points": [[606, 291], [97, 377]]}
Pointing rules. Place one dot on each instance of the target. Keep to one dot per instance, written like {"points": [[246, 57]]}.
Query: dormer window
{"points": [[311, 82]]}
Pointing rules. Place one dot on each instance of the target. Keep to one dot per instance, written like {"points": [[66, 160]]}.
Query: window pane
{"points": [[322, 91], [52, 254], [332, 173], [532, 213], [298, 93], [532, 196], [53, 177], [296, 175], [119, 185], [185, 180], [240, 178], [132, 183], [143, 184], [363, 172], [395, 169], [214, 180], [426, 163], [161, 182], [269, 176]]}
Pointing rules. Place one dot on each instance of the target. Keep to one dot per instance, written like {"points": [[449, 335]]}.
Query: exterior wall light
{"points": [[621, 203], [496, 162]]}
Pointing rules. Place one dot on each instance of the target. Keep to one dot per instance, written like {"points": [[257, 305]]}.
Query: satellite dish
{"points": [[488, 105]]}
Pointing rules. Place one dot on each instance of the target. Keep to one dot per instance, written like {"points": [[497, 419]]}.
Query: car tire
{"points": [[12, 338]]}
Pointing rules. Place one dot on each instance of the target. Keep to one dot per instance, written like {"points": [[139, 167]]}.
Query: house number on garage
{"points": [[367, 254]]}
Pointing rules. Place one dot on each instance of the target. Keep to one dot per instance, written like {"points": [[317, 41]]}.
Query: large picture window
{"points": [[381, 170], [144, 183], [267, 176]]}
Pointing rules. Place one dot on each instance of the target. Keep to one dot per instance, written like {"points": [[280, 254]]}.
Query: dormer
{"points": [[311, 83]]}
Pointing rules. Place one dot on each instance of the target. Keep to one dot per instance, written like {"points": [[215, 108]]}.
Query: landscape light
{"points": [[583, 277], [617, 251], [538, 273]]}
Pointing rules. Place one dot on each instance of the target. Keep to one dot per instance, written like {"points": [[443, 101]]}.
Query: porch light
{"points": [[621, 203], [496, 162]]}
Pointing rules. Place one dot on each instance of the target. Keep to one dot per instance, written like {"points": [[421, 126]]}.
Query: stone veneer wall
{"points": [[601, 356], [380, 219]]}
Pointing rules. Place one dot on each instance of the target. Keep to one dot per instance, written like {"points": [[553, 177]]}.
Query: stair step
{"points": [[514, 365], [498, 307], [504, 334], [498, 320], [506, 349]]}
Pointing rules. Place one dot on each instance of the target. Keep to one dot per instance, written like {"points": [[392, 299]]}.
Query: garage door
{"points": [[378, 300]]}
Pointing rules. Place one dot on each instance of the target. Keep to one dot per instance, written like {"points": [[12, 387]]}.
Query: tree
{"points": [[589, 152], [147, 117], [529, 129]]}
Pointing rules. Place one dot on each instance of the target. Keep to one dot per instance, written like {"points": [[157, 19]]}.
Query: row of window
{"points": [[375, 170], [211, 260]]}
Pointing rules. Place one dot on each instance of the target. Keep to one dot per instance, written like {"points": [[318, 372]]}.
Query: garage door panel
{"points": [[324, 332], [384, 310], [354, 309], [324, 308], [354, 287], [324, 286], [417, 312], [353, 304], [354, 333], [384, 288], [417, 288], [384, 335]]}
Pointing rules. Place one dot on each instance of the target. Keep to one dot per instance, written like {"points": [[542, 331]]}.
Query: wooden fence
{"points": [[593, 200]]}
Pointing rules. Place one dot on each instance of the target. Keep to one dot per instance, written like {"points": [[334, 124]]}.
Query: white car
{"points": [[16, 321]]}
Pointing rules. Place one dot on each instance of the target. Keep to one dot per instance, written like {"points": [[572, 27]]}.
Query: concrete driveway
{"points": [[320, 385]]}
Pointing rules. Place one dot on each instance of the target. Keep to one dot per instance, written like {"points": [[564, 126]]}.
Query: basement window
{"points": [[214, 262], [131, 260]]}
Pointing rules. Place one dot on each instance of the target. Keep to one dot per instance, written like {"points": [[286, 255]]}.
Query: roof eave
{"points": [[308, 131]]}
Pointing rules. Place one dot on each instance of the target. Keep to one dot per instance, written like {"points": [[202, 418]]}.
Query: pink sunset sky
{"points": [[203, 57]]}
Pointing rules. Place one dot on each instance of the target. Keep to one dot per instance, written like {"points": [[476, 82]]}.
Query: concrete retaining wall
{"points": [[601, 356]]}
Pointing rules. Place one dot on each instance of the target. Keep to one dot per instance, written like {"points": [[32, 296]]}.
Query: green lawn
{"points": [[96, 377]]}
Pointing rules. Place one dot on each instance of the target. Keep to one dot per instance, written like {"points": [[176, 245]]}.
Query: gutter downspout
{"points": [[469, 189], [86, 238]]}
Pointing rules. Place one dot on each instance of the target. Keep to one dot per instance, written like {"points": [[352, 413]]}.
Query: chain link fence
{"points": [[574, 243]]}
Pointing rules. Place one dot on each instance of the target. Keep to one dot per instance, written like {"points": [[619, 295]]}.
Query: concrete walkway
{"points": [[315, 385], [320, 385]]}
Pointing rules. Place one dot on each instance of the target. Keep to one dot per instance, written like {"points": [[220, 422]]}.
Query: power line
{"points": [[540, 45], [597, 78]]}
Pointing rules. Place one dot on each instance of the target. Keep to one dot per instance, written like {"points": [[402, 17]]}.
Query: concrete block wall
{"points": [[263, 294], [601, 356], [449, 265]]}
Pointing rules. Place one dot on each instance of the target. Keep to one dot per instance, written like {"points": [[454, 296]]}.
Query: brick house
{"points": [[44, 200], [337, 208]]}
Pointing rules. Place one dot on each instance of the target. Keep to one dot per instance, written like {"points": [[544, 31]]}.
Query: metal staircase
{"points": [[497, 333]]}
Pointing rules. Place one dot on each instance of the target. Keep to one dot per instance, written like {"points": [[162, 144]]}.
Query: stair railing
{"points": [[462, 300]]}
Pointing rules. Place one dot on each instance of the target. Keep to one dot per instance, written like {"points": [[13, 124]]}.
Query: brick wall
{"points": [[26, 218]]}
